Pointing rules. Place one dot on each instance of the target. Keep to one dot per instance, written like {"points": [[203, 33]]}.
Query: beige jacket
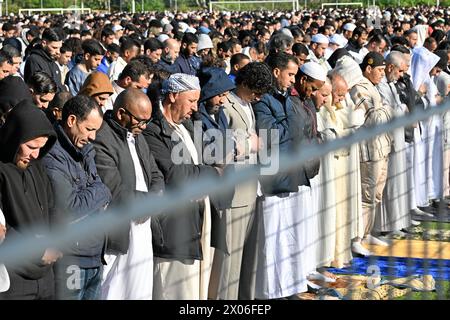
{"points": [[365, 95], [245, 194]]}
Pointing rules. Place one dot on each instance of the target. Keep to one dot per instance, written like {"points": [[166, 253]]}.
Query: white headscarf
{"points": [[421, 64], [349, 70]]}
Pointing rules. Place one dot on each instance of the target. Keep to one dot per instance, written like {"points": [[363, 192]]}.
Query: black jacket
{"points": [[39, 60], [78, 190], [176, 236], [409, 96], [116, 169], [25, 194], [306, 122]]}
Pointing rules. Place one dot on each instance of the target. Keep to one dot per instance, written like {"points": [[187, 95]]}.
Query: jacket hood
{"points": [[39, 50], [214, 81], [336, 55], [422, 61], [349, 70], [96, 83], [12, 91], [25, 122]]}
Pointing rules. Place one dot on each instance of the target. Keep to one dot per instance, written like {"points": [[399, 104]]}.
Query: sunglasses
{"points": [[141, 122]]}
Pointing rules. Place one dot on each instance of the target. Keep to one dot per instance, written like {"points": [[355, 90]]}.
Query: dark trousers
{"points": [[26, 289]]}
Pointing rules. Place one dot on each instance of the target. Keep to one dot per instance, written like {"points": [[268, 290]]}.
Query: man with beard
{"points": [[187, 62], [319, 43], [218, 147], [357, 42], [410, 97], [181, 242], [279, 199], [43, 57], [393, 213], [309, 82], [170, 52], [26, 198]]}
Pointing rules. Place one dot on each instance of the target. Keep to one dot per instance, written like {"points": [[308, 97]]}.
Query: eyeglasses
{"points": [[141, 122]]}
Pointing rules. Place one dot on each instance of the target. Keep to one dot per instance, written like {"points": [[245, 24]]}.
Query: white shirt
{"points": [[140, 180], [186, 137]]}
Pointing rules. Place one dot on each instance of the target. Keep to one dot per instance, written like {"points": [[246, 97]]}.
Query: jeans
{"points": [[76, 283]]}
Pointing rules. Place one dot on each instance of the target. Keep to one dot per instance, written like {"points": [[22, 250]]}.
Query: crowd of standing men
{"points": [[102, 110]]}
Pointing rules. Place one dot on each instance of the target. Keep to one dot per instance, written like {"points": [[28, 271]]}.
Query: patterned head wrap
{"points": [[180, 82]]}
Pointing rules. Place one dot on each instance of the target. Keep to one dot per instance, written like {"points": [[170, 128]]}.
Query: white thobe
{"points": [[130, 276]]}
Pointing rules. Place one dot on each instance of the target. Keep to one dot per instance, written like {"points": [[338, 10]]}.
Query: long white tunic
{"points": [[326, 191], [351, 120], [282, 259], [434, 147], [422, 62], [393, 214]]}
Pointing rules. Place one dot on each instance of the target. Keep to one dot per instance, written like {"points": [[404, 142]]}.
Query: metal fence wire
{"points": [[415, 265]]}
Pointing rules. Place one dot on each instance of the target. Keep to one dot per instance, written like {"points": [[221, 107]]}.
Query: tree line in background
{"points": [[186, 5]]}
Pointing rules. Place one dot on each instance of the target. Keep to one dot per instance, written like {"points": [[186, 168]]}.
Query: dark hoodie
{"points": [[40, 60], [25, 195], [12, 91]]}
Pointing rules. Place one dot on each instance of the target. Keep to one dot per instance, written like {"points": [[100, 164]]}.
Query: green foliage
{"points": [[154, 5]]}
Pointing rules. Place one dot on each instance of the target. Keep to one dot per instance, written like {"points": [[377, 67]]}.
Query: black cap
{"points": [[373, 59]]}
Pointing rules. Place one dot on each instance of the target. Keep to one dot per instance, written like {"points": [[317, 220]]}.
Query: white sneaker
{"points": [[415, 223], [358, 248], [369, 239]]}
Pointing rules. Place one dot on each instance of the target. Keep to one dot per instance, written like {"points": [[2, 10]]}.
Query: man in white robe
{"points": [[427, 182]]}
